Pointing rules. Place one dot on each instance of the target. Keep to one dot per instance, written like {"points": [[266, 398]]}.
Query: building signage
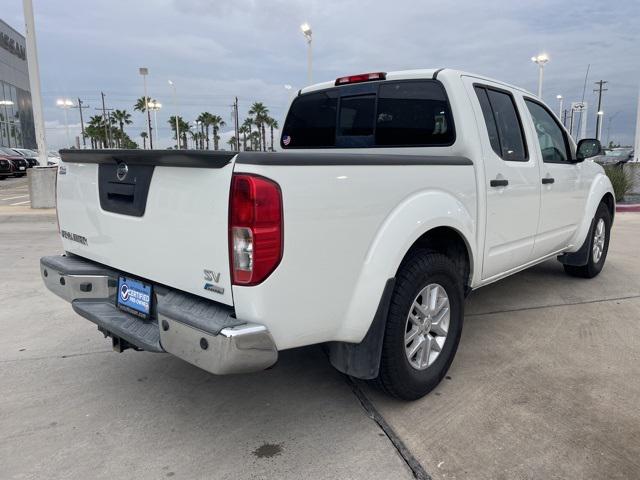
{"points": [[12, 46]]}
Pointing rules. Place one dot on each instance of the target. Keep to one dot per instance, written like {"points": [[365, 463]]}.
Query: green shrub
{"points": [[620, 179]]}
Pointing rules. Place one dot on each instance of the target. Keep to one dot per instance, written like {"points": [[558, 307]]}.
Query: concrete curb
{"points": [[631, 207]]}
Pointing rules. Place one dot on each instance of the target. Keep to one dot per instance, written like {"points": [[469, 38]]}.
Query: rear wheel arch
{"points": [[451, 243]]}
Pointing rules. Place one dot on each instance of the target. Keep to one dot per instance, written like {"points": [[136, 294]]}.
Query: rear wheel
{"points": [[598, 246], [423, 326]]}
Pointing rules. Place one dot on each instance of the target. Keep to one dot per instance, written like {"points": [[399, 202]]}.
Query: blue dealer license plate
{"points": [[134, 297]]}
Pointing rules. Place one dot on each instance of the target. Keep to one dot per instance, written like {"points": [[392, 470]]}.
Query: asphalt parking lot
{"points": [[14, 192], [545, 385]]}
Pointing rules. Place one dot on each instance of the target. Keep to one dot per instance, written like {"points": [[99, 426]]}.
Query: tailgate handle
{"points": [[121, 192]]}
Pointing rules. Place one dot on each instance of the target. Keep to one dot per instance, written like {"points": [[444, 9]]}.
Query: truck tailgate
{"points": [[158, 215]]}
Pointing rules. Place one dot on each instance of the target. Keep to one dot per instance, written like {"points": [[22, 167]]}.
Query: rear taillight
{"points": [[255, 228]]}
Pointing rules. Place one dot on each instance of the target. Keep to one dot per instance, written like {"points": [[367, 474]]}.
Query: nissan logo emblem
{"points": [[121, 171]]}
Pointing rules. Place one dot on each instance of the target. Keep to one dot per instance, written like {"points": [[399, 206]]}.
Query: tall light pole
{"points": [[541, 60], [144, 71], [560, 101], [599, 125], [306, 31], [637, 142], [175, 106], [65, 104], [154, 106], [34, 80]]}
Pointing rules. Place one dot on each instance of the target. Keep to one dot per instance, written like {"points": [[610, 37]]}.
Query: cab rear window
{"points": [[405, 113]]}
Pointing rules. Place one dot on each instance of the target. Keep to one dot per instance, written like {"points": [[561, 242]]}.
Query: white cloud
{"points": [[218, 49]]}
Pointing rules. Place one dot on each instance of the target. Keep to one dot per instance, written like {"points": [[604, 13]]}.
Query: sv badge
{"points": [[211, 276]]}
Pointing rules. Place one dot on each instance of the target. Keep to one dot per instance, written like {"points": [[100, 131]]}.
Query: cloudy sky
{"points": [[217, 49]]}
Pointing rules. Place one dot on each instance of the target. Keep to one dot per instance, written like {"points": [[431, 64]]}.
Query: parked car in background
{"points": [[29, 155], [6, 168], [615, 156], [53, 157], [18, 161]]}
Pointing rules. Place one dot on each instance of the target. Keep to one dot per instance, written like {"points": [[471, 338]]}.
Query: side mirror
{"points": [[588, 147]]}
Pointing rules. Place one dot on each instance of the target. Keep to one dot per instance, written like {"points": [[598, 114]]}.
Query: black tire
{"points": [[397, 376], [592, 268]]}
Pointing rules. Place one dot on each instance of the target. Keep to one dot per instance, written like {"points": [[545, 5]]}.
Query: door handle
{"points": [[548, 180], [499, 183]]}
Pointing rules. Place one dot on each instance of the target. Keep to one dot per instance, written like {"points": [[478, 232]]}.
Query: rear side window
{"points": [[503, 124], [400, 114], [413, 113]]}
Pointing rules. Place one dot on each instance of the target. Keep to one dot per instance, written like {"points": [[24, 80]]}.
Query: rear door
{"points": [[161, 216], [511, 178], [564, 187]]}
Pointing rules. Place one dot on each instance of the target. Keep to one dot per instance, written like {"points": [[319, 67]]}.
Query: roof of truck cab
{"points": [[421, 73]]}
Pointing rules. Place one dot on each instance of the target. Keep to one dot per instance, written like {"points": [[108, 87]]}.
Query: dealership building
{"points": [[16, 113]]}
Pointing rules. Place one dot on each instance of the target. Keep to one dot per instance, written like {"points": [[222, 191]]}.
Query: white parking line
{"points": [[20, 203], [13, 198]]}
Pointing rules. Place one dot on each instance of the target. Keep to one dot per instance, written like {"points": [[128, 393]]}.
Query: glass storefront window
{"points": [[16, 119]]}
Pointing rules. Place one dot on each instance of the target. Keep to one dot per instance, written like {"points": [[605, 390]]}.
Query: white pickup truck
{"points": [[395, 195]]}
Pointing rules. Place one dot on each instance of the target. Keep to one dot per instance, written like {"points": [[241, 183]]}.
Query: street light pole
{"points": [[144, 71], [34, 80], [65, 104], [177, 118], [541, 60], [637, 142], [599, 125], [155, 106], [306, 31], [560, 100]]}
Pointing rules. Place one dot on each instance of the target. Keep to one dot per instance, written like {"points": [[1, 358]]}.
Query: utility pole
{"points": [[106, 120], [236, 124], [80, 107], [564, 117], [599, 115], [34, 80]]}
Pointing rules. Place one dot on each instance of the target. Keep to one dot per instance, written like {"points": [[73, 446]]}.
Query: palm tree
{"points": [[144, 136], [205, 121], [141, 106], [247, 124], [184, 128], [96, 131], [254, 138], [216, 123], [122, 117], [232, 143], [244, 130], [260, 113], [272, 123]]}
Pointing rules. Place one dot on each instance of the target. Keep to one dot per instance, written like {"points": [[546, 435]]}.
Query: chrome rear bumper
{"points": [[201, 332]]}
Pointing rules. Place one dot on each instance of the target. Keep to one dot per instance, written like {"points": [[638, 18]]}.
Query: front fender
{"points": [[600, 186], [412, 218]]}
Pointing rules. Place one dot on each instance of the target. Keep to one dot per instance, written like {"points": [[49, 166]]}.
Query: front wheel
{"points": [[423, 325], [598, 246]]}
